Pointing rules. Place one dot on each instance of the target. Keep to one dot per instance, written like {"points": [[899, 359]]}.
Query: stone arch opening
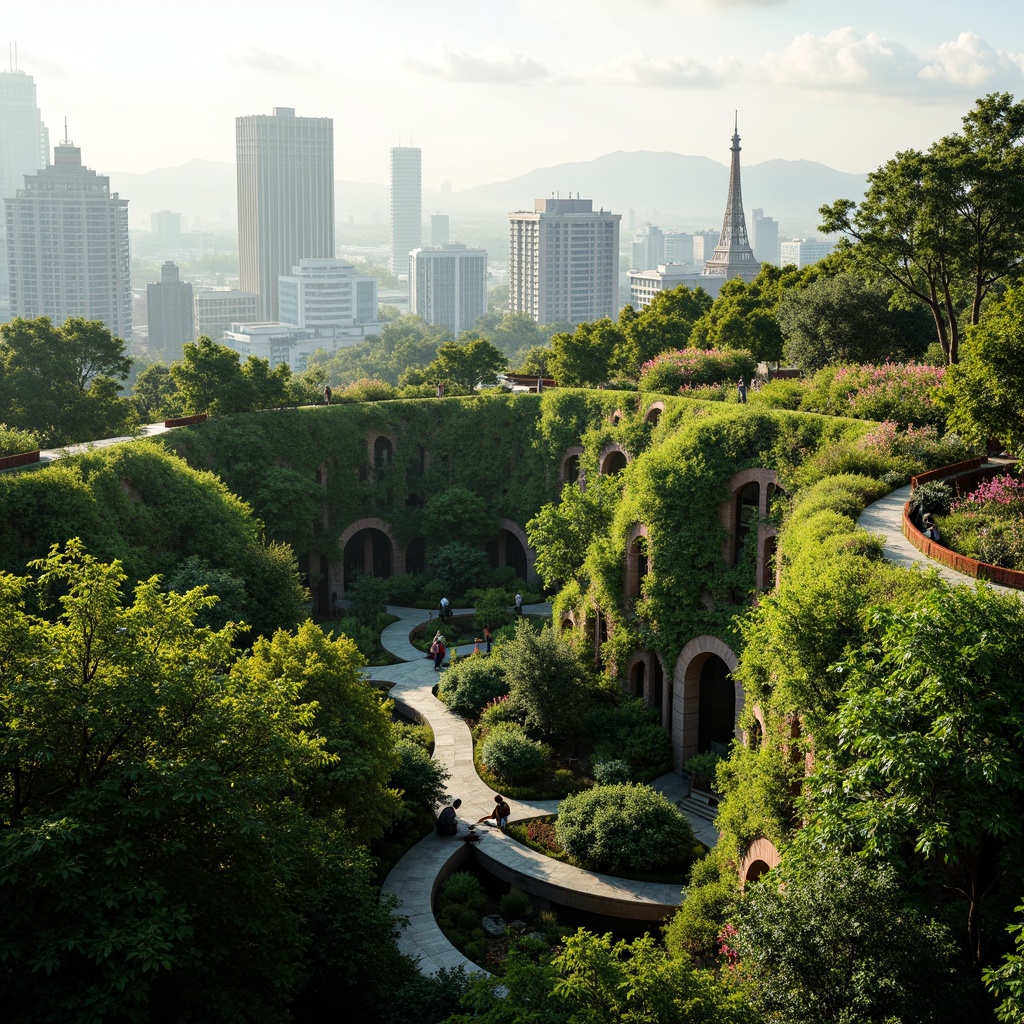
{"points": [[568, 625], [616, 418], [614, 461], [706, 700], [368, 546], [638, 680], [570, 469], [758, 859], [383, 452], [638, 565], [748, 502], [511, 548], [653, 414], [755, 870]]}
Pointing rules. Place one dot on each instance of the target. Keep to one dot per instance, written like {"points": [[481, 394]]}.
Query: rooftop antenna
{"points": [[15, 65], [66, 142]]}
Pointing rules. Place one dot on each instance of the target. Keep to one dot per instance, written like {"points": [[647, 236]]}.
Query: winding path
{"points": [[415, 878]]}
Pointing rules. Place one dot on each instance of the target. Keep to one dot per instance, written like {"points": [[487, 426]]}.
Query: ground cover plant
{"points": [[988, 523]]}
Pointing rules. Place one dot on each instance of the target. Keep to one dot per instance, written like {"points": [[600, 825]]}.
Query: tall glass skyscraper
{"points": [[24, 149], [285, 198], [406, 205]]}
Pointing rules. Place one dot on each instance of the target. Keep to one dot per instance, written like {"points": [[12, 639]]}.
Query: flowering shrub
{"points": [[365, 390], [902, 392], [725, 949], [919, 446], [681, 371], [988, 523], [543, 834]]}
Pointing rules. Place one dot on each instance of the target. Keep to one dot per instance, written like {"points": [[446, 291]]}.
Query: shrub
{"points": [[675, 372], [779, 394], [515, 904], [14, 441], [463, 890], [366, 597], [420, 778], [610, 773], [458, 566], [622, 828], [497, 711], [493, 607], [365, 390], [511, 755], [931, 498], [649, 749], [470, 684], [705, 764]]}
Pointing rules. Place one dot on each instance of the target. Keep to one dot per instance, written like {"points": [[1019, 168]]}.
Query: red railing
{"points": [[23, 459]]}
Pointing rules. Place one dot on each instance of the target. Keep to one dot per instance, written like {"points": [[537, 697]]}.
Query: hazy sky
{"points": [[491, 90]]}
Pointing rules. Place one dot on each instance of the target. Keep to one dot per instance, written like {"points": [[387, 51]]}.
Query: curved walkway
{"points": [[415, 878], [885, 517]]}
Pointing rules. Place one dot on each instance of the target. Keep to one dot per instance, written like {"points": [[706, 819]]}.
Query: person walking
{"points": [[327, 394], [519, 604], [437, 649], [488, 636], [741, 389]]}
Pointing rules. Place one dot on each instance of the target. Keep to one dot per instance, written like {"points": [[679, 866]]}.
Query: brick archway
{"points": [[656, 693], [569, 467], [512, 527], [337, 569], [613, 458], [653, 413], [767, 485], [638, 562], [686, 687], [759, 857]]}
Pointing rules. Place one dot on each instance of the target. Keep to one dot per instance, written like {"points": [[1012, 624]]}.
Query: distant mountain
{"points": [[668, 189]]}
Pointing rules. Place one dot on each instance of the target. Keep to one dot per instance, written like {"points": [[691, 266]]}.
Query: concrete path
{"points": [[415, 879], [885, 517]]}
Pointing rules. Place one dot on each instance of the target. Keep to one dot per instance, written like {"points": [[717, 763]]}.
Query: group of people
{"points": [[742, 387], [438, 650], [448, 819]]}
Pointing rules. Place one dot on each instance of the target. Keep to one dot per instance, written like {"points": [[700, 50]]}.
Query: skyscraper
{"points": [[67, 246], [733, 256], [448, 286], [648, 248], [406, 205], [285, 198], [764, 237], [24, 149], [439, 229], [169, 314], [564, 262]]}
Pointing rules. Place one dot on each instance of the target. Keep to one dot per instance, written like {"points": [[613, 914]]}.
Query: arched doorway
{"points": [[706, 701], [614, 462], [638, 681], [368, 551], [748, 502], [508, 550]]}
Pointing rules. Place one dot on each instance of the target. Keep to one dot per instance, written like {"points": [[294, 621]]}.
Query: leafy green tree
{"points": [[665, 323], [63, 382], [457, 513], [534, 362], [464, 364], [987, 386], [583, 359], [1006, 980], [209, 378], [265, 388], [947, 226], [548, 685], [515, 334], [834, 941], [842, 319], [155, 394], [926, 771], [561, 533]]}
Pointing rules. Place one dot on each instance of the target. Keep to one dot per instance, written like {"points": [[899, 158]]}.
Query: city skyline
{"points": [[892, 76]]}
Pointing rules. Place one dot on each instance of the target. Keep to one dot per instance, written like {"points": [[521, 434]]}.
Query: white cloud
{"points": [[273, 62], [492, 64], [846, 61], [638, 68], [968, 61]]}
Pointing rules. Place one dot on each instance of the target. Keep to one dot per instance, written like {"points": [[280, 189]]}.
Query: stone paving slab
{"points": [[417, 875]]}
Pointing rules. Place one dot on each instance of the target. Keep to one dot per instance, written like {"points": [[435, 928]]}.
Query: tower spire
{"points": [[733, 256]]}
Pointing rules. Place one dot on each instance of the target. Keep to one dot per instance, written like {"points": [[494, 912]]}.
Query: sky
{"points": [[491, 89]]}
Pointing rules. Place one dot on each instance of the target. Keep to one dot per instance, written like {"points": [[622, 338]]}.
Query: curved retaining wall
{"points": [[967, 474]]}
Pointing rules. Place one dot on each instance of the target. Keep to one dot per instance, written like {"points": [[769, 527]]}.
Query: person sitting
{"points": [[500, 814], [931, 531], [448, 820]]}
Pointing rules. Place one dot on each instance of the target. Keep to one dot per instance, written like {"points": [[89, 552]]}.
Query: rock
{"points": [[519, 927], [493, 926]]}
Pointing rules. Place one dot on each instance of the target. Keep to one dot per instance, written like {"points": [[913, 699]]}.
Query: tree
{"points": [[987, 386], [464, 365], [842, 319], [927, 770], [155, 394], [457, 513], [209, 378], [561, 533], [947, 226], [63, 381], [534, 362], [583, 359], [665, 323], [834, 941], [547, 683]]}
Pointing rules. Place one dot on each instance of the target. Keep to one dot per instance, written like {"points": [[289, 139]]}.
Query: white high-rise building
{"points": [[285, 198], [67, 246], [406, 206], [564, 262], [439, 229], [448, 286], [679, 247], [645, 284], [216, 309], [648, 248], [24, 149], [802, 252], [764, 237], [327, 295]]}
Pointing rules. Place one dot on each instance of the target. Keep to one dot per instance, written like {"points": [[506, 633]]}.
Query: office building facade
{"points": [[169, 314], [439, 230], [326, 296], [24, 149], [406, 206], [644, 285], [67, 246], [802, 252], [764, 237], [448, 286], [285, 198], [216, 309], [648, 248], [564, 262]]}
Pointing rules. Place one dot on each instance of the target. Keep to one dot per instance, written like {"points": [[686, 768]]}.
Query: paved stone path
{"points": [[885, 517], [414, 880]]}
